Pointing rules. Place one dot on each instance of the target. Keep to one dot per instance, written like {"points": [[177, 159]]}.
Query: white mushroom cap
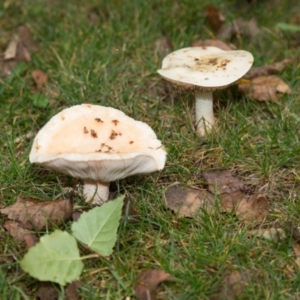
{"points": [[205, 68], [97, 143]]}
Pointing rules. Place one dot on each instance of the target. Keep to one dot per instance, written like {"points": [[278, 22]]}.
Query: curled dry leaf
{"points": [[33, 214], [234, 284], [40, 78], [212, 43], [147, 283], [18, 50], [47, 291], [163, 46], [214, 18], [72, 289], [238, 28], [253, 210], [187, 202], [264, 88], [16, 230], [269, 69], [249, 210], [221, 181]]}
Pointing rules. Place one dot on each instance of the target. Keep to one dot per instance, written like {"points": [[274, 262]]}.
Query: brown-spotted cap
{"points": [[205, 68], [99, 143]]}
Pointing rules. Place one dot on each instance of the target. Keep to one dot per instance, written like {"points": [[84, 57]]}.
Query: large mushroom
{"points": [[204, 70], [98, 144]]}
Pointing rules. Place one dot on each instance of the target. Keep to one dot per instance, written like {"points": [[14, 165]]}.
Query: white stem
{"points": [[96, 192], [204, 112]]}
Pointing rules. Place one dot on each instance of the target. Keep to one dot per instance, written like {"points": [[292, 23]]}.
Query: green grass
{"points": [[112, 61]]}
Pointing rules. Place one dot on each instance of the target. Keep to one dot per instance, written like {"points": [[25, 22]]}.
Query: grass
{"points": [[103, 52]]}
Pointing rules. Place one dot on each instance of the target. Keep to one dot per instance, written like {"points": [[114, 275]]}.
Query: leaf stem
{"points": [[90, 256]]}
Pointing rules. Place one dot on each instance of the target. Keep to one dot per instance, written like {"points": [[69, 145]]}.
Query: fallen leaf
{"points": [[221, 181], [238, 28], [11, 50], [40, 78], [187, 202], [33, 214], [264, 88], [269, 69], [214, 18], [234, 284], [163, 46], [16, 230], [212, 43], [71, 290], [253, 210], [147, 283], [18, 50], [249, 210], [30, 240], [47, 292]]}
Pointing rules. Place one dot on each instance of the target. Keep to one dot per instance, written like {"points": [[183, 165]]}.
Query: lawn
{"points": [[106, 53]]}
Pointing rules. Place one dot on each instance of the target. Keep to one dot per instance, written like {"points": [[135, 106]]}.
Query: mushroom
{"points": [[204, 70], [98, 144]]}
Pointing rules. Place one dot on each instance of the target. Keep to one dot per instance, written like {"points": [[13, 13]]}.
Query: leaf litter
{"points": [[148, 282], [264, 88], [18, 50], [34, 214], [224, 188]]}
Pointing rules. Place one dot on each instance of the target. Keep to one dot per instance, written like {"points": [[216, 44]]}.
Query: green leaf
{"points": [[40, 100], [289, 27], [55, 258], [98, 227]]}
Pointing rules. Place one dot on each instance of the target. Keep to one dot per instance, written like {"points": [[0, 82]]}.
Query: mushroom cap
{"points": [[99, 143], [205, 68]]}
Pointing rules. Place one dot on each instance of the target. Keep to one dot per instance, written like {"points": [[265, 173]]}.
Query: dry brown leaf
{"points": [[147, 283], [187, 202], [238, 28], [11, 50], [264, 88], [16, 230], [269, 69], [234, 284], [47, 292], [253, 210], [163, 46], [221, 181], [71, 290], [212, 43], [214, 18], [40, 78], [18, 50], [33, 214], [229, 202]]}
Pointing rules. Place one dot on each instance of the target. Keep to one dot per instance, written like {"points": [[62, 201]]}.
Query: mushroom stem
{"points": [[204, 112], [96, 192]]}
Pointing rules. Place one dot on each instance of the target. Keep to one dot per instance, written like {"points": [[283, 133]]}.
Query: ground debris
{"points": [[33, 214], [147, 283], [264, 88], [274, 68], [186, 202], [17, 51], [234, 284]]}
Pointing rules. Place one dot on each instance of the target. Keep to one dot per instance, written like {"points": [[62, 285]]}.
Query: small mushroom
{"points": [[204, 70], [63, 146]]}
